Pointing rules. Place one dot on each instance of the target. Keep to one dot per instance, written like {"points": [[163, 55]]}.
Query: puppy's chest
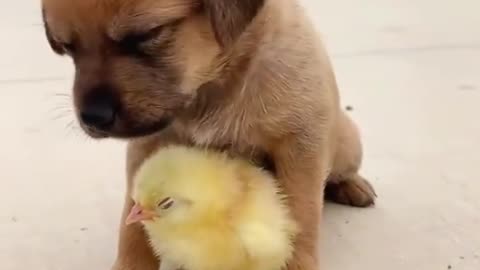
{"points": [[240, 138], [235, 129]]}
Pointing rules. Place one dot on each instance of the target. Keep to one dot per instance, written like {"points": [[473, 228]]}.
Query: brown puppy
{"points": [[246, 76]]}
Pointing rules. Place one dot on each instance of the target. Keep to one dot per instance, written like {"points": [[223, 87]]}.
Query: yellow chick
{"points": [[205, 211]]}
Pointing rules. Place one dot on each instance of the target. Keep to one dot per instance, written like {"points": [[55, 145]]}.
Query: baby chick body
{"points": [[205, 211]]}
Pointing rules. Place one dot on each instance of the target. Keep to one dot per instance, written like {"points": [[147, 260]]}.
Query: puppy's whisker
{"points": [[61, 109], [62, 95], [71, 125], [63, 104], [61, 115], [73, 130]]}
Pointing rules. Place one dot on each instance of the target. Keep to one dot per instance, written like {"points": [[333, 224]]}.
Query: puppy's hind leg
{"points": [[345, 185], [352, 190]]}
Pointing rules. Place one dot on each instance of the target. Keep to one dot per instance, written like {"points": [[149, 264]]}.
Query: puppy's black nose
{"points": [[99, 110]]}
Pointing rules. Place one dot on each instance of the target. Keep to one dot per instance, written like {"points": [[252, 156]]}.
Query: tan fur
{"points": [[248, 78]]}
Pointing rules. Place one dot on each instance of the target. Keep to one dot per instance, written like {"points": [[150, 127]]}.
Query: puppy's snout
{"points": [[99, 109]]}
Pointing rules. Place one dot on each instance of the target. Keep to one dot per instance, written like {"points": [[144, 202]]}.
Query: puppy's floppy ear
{"points": [[53, 43], [229, 18]]}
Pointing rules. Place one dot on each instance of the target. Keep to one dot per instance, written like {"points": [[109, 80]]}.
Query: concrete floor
{"points": [[409, 69]]}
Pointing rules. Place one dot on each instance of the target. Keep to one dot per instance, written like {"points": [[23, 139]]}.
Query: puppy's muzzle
{"points": [[99, 111], [102, 114]]}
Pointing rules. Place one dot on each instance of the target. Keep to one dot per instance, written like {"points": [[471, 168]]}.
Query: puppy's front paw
{"points": [[122, 265], [354, 191]]}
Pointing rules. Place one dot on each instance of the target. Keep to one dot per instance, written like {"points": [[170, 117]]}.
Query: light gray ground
{"points": [[409, 69]]}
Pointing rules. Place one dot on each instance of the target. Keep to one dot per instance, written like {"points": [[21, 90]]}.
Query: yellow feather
{"points": [[227, 214]]}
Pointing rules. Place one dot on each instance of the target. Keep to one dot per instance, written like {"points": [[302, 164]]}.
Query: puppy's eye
{"points": [[131, 43], [166, 203], [68, 47]]}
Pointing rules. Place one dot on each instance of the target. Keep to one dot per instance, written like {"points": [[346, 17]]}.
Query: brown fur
{"points": [[249, 77]]}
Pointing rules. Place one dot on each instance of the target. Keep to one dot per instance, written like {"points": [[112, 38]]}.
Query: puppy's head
{"points": [[139, 63]]}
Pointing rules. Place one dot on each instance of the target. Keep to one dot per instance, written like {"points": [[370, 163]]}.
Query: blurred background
{"points": [[409, 71]]}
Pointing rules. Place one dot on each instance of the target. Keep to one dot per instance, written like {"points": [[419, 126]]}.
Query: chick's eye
{"points": [[166, 203]]}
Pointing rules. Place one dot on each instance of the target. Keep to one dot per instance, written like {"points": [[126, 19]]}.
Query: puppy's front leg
{"points": [[134, 252], [302, 170]]}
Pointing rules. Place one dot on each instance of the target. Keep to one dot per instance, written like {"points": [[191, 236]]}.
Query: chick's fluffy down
{"points": [[228, 214]]}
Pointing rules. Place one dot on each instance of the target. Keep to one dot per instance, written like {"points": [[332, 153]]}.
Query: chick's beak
{"points": [[138, 214]]}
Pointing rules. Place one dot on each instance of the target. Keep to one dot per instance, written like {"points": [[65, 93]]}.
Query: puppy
{"points": [[245, 76]]}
